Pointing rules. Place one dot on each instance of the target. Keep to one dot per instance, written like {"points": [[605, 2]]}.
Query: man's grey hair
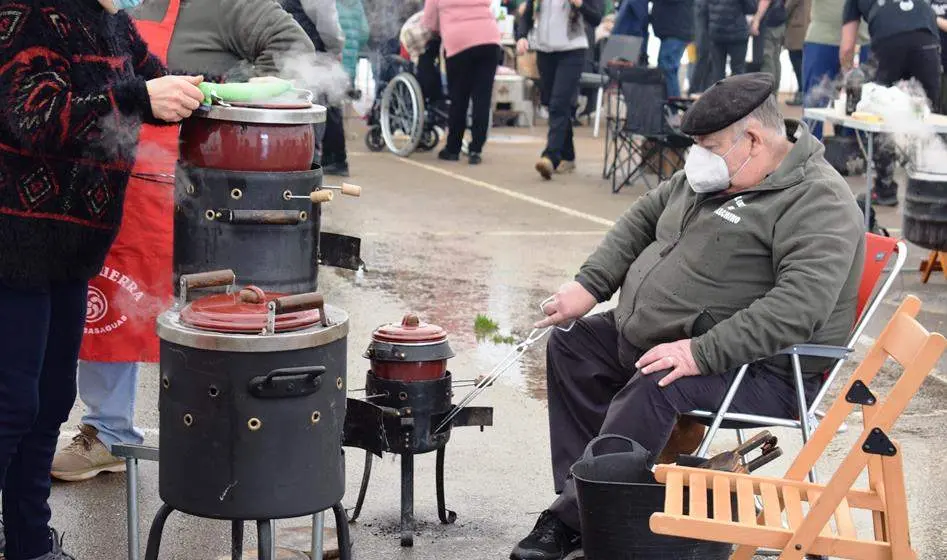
{"points": [[768, 115]]}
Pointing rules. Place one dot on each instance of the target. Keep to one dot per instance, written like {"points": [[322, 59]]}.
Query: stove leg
{"points": [[266, 546], [366, 476], [342, 531], [157, 528], [318, 534], [407, 499], [447, 516], [236, 540]]}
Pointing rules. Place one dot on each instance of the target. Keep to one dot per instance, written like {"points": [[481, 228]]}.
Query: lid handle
{"points": [[292, 304], [411, 321], [201, 280]]}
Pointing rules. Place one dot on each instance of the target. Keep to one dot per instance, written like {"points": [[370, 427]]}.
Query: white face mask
{"points": [[706, 171]]}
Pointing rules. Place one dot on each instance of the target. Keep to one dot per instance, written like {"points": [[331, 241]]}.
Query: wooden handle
{"points": [[302, 302], [351, 190], [208, 279], [320, 196]]}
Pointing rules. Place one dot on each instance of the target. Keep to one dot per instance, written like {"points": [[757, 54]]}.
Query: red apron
{"points": [[134, 286]]}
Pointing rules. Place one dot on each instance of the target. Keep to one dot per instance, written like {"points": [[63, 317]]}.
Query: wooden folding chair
{"points": [[810, 532]]}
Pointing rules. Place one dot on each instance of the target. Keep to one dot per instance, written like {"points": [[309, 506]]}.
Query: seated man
{"points": [[755, 246]]}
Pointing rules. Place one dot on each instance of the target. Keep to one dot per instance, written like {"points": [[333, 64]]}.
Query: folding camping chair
{"points": [[645, 140], [810, 532], [616, 47], [878, 252]]}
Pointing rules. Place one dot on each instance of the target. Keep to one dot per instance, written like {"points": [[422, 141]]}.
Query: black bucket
{"points": [[617, 494], [925, 210]]}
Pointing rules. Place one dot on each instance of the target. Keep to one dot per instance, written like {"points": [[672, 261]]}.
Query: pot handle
{"points": [[287, 382], [200, 280], [294, 303]]}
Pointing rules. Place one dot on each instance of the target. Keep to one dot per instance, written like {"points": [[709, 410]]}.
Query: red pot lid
{"points": [[244, 312], [410, 330]]}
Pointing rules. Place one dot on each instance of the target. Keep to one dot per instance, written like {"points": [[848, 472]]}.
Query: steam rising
{"points": [[319, 72]]}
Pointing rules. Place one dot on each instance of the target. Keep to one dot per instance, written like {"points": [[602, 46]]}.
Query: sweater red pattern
{"points": [[73, 95]]}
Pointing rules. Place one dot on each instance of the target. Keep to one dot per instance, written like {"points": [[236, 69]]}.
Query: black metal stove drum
{"points": [[252, 402]]}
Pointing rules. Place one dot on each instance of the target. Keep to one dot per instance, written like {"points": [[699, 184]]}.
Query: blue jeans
{"points": [[108, 391], [669, 60], [820, 63], [40, 335]]}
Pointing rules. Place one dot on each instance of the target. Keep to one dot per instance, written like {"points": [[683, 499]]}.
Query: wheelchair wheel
{"points": [[374, 140], [429, 140], [402, 114]]}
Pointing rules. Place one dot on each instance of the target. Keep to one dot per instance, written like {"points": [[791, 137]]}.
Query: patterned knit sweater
{"points": [[72, 98]]}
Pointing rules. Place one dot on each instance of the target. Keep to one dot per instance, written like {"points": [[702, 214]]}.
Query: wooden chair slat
{"points": [[793, 502], [771, 511], [746, 502], [697, 485], [674, 498], [843, 521], [722, 510]]}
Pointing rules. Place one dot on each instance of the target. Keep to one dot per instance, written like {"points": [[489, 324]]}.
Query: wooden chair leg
{"points": [[935, 261], [875, 480], [896, 504]]}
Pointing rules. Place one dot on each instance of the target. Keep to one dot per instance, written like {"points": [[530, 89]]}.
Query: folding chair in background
{"points": [[645, 141], [686, 512], [615, 47], [878, 252]]}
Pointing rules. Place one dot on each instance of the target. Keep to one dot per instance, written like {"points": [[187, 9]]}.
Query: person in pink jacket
{"points": [[471, 38]]}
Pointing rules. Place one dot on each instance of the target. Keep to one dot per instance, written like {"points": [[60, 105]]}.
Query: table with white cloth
{"points": [[936, 122]]}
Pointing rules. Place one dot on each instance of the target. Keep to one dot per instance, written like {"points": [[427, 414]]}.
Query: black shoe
{"points": [[448, 156], [474, 158], [338, 168], [883, 198], [550, 539]]}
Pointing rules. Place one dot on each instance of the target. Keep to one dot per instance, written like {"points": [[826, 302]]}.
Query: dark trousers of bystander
{"points": [[470, 76], [915, 54], [559, 75], [590, 392], [40, 335], [735, 51], [333, 142]]}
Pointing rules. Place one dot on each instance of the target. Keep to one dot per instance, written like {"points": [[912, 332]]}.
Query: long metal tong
{"points": [[506, 363]]}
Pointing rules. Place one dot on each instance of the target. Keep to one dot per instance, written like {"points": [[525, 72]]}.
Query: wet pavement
{"points": [[452, 241]]}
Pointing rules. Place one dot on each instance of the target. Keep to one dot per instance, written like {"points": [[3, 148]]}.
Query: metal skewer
{"points": [[325, 194], [506, 363]]}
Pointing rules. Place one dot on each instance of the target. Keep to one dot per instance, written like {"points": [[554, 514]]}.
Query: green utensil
{"points": [[243, 91]]}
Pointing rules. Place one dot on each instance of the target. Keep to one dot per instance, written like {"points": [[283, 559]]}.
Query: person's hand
{"points": [[174, 98], [846, 58], [755, 27], [522, 46], [576, 3], [570, 302], [674, 356]]}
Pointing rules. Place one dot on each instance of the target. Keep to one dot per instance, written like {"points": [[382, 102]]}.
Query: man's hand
{"points": [[674, 356], [174, 98], [522, 46], [570, 302], [755, 27]]}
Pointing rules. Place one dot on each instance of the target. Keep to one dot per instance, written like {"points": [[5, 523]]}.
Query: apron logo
{"points": [[97, 305]]}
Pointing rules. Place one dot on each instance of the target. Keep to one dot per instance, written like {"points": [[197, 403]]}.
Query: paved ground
{"points": [[451, 241]]}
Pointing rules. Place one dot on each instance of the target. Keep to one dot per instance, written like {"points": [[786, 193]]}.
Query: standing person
{"points": [[222, 39], [704, 68], [355, 30], [558, 34], [820, 58], [76, 80], [906, 44], [320, 20], [940, 10], [471, 39], [769, 24], [797, 21], [729, 33], [673, 23]]}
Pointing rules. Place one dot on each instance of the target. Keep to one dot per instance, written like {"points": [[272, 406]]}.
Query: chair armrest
{"points": [[817, 351]]}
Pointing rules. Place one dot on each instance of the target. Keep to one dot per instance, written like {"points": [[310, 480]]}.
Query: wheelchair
{"points": [[410, 110]]}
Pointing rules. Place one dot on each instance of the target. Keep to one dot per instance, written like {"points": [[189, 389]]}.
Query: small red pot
{"points": [[409, 351]]}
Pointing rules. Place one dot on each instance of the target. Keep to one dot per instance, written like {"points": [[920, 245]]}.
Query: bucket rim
{"points": [[629, 484]]}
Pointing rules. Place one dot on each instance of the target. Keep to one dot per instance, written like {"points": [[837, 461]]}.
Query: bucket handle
{"points": [[590, 448]]}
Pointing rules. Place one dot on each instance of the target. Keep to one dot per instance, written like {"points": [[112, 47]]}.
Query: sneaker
{"points": [[474, 158], [338, 168], [447, 156], [57, 552], [545, 168], [565, 166], [85, 458], [550, 539], [884, 198]]}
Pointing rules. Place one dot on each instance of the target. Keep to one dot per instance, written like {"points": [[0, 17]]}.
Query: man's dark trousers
{"points": [[333, 143], [559, 76], [590, 392]]}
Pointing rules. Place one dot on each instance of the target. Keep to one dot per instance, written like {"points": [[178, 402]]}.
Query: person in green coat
{"points": [[356, 31]]}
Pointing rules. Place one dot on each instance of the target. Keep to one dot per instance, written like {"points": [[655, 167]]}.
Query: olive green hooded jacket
{"points": [[742, 275]]}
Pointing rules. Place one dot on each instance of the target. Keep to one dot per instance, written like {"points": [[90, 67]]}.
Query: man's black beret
{"points": [[726, 102]]}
